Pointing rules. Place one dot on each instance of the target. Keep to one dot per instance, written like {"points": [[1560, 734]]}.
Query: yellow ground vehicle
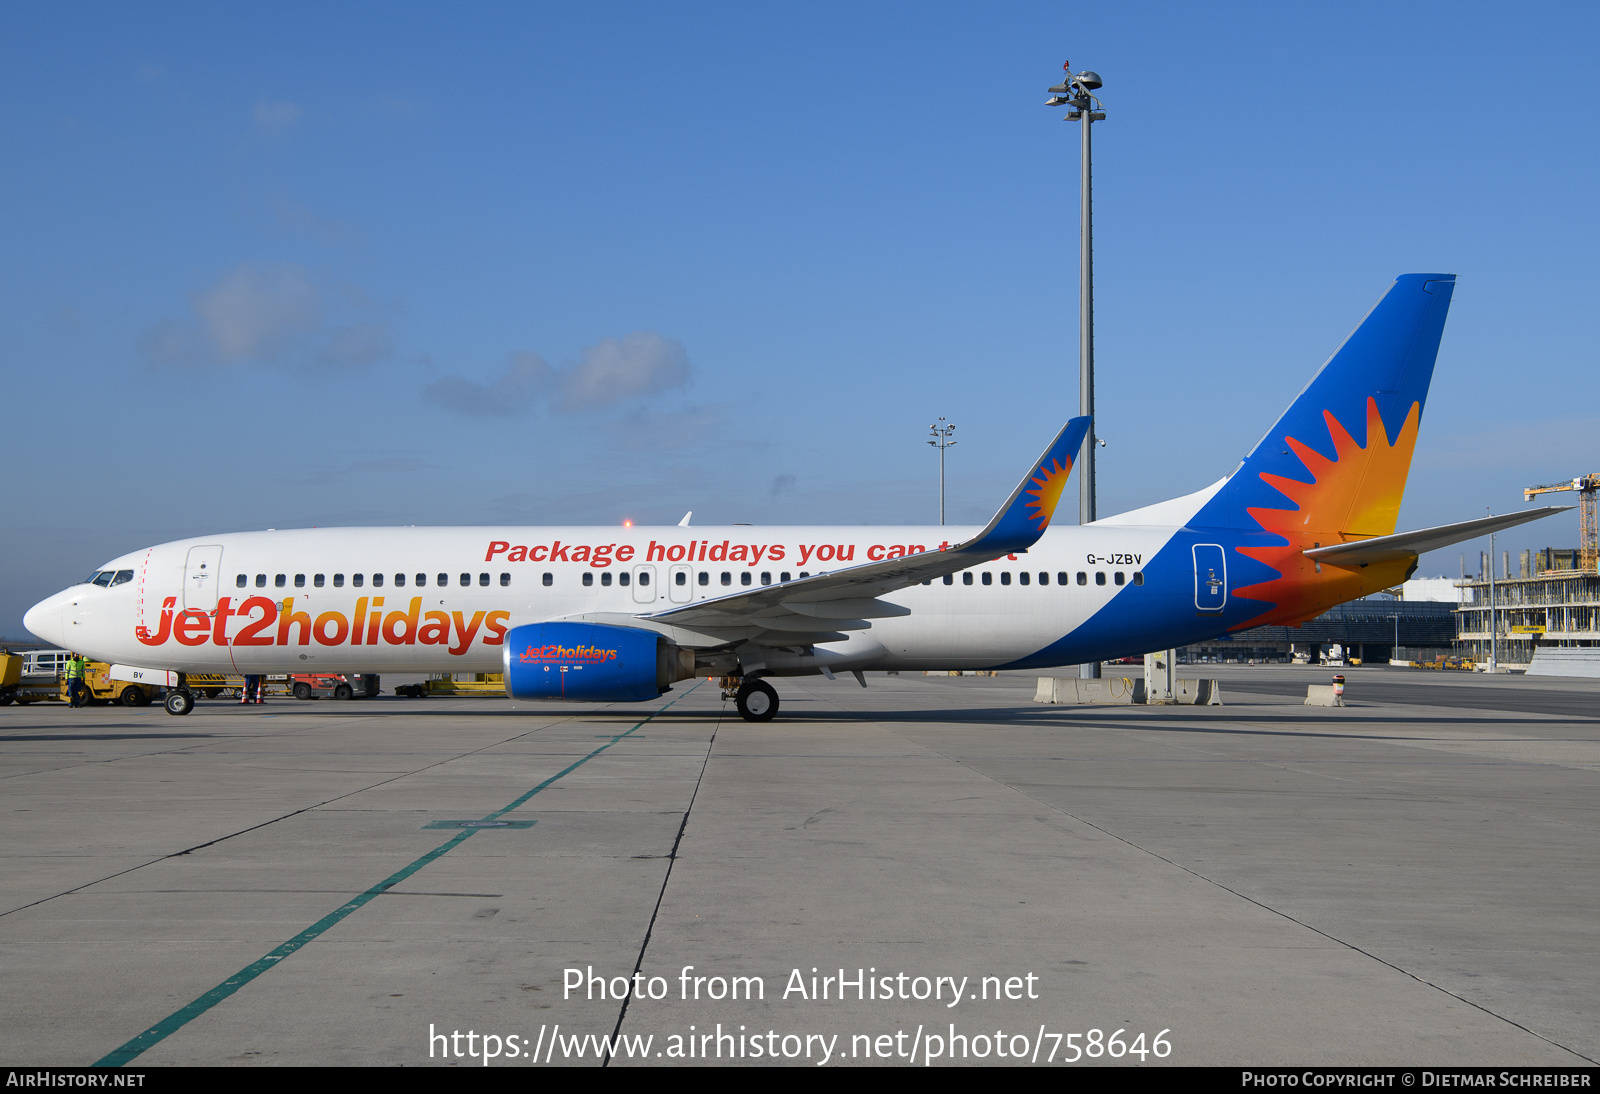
{"points": [[16, 688], [459, 683]]}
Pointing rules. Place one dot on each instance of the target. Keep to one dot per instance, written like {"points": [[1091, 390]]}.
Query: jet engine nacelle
{"points": [[591, 662]]}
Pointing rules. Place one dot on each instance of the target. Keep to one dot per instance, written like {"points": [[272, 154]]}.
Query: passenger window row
{"points": [[281, 581], [1062, 578], [624, 578]]}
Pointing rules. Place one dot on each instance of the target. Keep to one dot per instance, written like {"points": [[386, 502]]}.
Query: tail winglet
{"points": [[1028, 511]]}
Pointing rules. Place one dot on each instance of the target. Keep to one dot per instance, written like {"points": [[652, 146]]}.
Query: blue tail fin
{"points": [[1336, 461]]}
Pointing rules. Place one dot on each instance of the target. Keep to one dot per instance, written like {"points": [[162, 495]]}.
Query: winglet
{"points": [[1027, 513]]}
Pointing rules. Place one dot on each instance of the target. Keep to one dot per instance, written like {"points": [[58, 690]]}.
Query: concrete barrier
{"points": [[1571, 661], [1114, 690], [1202, 693], [1323, 695], [1121, 691]]}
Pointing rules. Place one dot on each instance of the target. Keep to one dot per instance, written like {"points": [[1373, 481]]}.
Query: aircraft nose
{"points": [[44, 621]]}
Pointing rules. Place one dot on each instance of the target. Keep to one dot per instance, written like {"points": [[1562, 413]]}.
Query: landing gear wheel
{"points": [[302, 690], [757, 702], [179, 702], [133, 697], [342, 692]]}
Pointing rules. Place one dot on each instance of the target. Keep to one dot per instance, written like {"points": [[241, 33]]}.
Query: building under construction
{"points": [[1553, 601]]}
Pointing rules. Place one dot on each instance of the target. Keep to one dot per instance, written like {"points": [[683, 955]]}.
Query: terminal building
{"points": [[1415, 623]]}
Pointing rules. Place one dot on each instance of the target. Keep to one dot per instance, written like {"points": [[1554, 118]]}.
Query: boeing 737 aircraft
{"points": [[1305, 522]]}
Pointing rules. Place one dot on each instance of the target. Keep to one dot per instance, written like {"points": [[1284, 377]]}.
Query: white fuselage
{"points": [[442, 599]]}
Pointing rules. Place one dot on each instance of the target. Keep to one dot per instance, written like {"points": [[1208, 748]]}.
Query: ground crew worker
{"points": [[251, 692], [77, 695]]}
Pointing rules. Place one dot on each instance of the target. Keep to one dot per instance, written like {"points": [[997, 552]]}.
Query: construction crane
{"points": [[1586, 487]]}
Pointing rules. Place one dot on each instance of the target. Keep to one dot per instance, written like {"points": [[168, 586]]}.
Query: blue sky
{"points": [[282, 265]]}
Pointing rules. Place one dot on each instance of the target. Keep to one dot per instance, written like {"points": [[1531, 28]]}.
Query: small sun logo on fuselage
{"points": [[1047, 483]]}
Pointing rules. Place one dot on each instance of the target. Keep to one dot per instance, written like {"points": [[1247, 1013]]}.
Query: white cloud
{"points": [[253, 312], [610, 373], [272, 315], [526, 378], [276, 116]]}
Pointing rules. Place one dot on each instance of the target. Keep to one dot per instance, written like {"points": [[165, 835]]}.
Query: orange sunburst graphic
{"points": [[1356, 495], [1048, 484]]}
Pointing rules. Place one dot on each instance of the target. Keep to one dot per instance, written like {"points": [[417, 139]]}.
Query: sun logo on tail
{"points": [[1047, 484], [1354, 496]]}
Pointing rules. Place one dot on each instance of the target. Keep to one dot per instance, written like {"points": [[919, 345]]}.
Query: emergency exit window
{"points": [[299, 581], [318, 580], [261, 581], [241, 581], [281, 580]]}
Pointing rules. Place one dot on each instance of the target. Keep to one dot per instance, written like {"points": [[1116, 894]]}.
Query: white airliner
{"points": [[606, 614]]}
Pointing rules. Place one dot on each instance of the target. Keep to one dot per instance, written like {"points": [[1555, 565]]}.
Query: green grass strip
{"points": [[119, 1057]]}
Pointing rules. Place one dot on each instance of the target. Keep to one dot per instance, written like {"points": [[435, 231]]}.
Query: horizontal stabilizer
{"points": [[1389, 548]]}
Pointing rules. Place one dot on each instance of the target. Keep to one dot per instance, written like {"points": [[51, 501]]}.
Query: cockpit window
{"points": [[103, 578], [122, 575]]}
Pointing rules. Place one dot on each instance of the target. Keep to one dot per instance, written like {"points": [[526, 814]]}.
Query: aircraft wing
{"points": [[822, 607], [1388, 548]]}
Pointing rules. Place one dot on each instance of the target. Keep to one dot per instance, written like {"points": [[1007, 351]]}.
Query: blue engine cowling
{"points": [[587, 662]]}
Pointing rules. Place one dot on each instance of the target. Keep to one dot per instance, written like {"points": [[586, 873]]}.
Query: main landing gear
{"points": [[756, 700]]}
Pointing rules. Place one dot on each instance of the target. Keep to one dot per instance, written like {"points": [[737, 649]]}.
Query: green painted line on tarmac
{"points": [[119, 1057]]}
